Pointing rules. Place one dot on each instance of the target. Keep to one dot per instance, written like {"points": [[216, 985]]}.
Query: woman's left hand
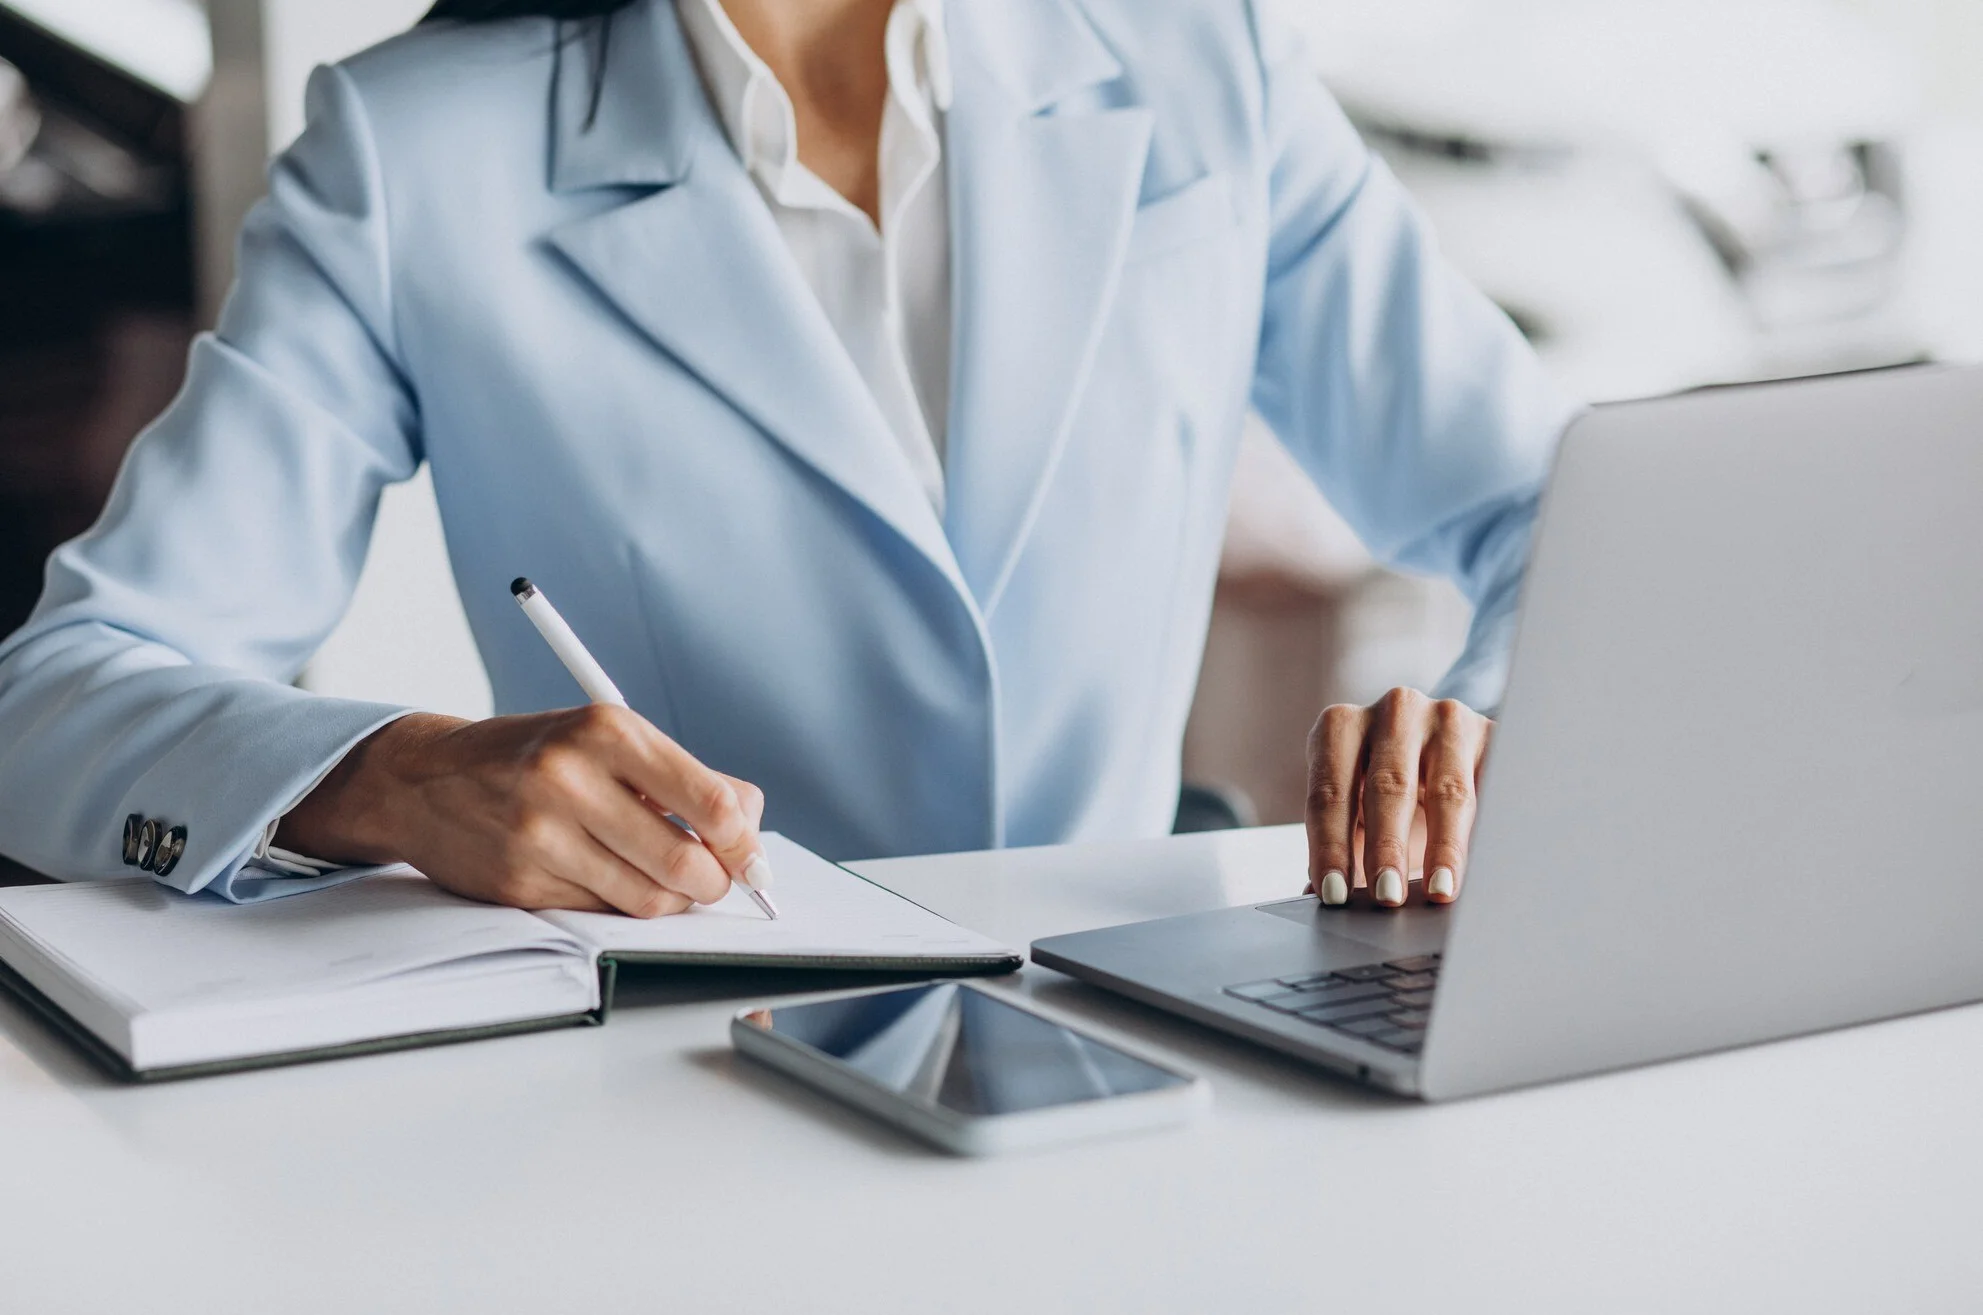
{"points": [[1398, 774]]}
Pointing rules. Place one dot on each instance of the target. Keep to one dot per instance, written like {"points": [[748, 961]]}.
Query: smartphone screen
{"points": [[964, 1050]]}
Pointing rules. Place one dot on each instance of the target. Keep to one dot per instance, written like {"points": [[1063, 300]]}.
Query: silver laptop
{"points": [[1737, 789]]}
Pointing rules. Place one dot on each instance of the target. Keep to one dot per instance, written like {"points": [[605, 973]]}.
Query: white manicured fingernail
{"points": [[1335, 889], [1441, 885], [1391, 887], [757, 873]]}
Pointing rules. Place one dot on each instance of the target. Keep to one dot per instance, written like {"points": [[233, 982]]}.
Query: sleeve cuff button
{"points": [[149, 834], [170, 850]]}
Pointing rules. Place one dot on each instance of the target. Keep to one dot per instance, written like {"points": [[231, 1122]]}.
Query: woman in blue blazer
{"points": [[522, 245]]}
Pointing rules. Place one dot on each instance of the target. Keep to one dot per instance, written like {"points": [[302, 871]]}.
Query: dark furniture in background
{"points": [[96, 297]]}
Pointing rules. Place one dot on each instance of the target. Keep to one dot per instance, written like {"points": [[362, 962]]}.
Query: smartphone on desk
{"points": [[969, 1070]]}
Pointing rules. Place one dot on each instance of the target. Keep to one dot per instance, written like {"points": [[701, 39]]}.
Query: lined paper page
{"points": [[826, 912]]}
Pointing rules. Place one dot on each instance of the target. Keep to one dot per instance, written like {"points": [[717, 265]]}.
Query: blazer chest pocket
{"points": [[1198, 209]]}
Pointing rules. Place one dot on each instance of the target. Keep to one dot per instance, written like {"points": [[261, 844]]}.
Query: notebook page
{"points": [[145, 949], [825, 912]]}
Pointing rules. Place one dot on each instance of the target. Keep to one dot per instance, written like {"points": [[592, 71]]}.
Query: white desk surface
{"points": [[642, 1167]]}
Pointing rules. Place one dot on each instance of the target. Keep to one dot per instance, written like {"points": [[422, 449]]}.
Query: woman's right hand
{"points": [[553, 810]]}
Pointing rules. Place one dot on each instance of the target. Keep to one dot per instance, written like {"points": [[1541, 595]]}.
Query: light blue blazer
{"points": [[596, 336]]}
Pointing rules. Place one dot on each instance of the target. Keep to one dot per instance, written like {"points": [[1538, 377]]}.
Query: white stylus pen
{"points": [[599, 688]]}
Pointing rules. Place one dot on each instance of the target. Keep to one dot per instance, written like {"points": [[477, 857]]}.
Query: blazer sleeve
{"points": [[1409, 397], [155, 675]]}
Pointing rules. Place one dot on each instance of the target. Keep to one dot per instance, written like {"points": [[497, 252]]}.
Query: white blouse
{"points": [[886, 291]]}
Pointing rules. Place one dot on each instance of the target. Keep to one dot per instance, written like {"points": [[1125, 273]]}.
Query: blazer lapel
{"points": [[1041, 209], [696, 262]]}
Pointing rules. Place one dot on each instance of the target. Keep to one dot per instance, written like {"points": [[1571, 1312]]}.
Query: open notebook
{"points": [[155, 984]]}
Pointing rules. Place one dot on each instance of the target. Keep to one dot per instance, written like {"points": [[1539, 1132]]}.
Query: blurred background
{"points": [[1662, 196]]}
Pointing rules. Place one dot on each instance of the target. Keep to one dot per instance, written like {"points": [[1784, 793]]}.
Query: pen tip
{"points": [[521, 586]]}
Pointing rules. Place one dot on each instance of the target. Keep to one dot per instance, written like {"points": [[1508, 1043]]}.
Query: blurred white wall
{"points": [[301, 34], [1946, 37], [405, 639], [163, 42], [1663, 100]]}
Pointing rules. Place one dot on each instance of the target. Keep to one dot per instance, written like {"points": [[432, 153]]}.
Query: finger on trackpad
{"points": [[1392, 933]]}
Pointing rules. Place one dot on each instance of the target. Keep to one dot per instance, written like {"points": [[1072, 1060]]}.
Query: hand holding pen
{"points": [[755, 877], [550, 810]]}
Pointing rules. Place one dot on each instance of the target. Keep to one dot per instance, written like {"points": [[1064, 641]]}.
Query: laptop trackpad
{"points": [[1389, 933]]}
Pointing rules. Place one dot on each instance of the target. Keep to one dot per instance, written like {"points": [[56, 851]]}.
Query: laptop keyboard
{"points": [[1386, 1003]]}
